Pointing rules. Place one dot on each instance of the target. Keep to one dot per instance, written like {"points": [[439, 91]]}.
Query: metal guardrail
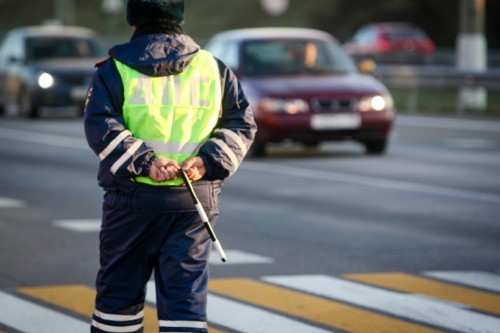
{"points": [[443, 57], [472, 87], [436, 71], [421, 76]]}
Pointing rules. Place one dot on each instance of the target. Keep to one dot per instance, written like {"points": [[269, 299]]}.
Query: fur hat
{"points": [[142, 11]]}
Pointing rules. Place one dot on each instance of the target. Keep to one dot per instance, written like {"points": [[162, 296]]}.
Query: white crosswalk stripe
{"points": [[483, 280], [452, 317], [246, 318], [232, 313], [28, 317], [253, 320]]}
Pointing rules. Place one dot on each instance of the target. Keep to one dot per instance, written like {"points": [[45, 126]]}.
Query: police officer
{"points": [[157, 104]]}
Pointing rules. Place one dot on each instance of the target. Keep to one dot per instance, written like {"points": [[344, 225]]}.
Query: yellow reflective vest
{"points": [[173, 114]]}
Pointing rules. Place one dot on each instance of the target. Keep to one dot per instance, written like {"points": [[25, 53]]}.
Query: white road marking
{"points": [[483, 280], [236, 257], [82, 225], [449, 123], [11, 203], [43, 138], [340, 177], [245, 318], [65, 141], [28, 317], [249, 319], [469, 143], [427, 310]]}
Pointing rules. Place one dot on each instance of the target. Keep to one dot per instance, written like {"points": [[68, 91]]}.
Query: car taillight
{"points": [[383, 45], [430, 47]]}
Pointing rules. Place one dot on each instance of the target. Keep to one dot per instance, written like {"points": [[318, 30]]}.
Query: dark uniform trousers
{"points": [[152, 228]]}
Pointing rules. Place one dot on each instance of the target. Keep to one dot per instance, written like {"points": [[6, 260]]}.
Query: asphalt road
{"points": [[306, 220]]}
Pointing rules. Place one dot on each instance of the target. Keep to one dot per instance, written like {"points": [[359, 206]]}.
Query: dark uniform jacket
{"points": [[160, 55]]}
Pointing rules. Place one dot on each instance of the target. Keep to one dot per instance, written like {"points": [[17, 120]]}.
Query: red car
{"points": [[389, 38], [303, 87]]}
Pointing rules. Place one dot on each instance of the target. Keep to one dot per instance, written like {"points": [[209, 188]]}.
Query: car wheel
{"points": [[24, 105], [375, 147]]}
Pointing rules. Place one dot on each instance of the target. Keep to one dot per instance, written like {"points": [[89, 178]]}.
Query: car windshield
{"points": [[62, 47], [405, 34], [294, 57]]}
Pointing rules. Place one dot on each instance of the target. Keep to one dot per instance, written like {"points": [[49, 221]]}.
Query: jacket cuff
{"points": [[144, 163], [209, 169]]}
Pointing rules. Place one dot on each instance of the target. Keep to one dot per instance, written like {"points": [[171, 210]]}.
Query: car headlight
{"points": [[375, 103], [291, 106], [45, 80]]}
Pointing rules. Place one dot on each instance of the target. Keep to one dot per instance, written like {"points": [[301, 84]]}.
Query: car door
{"points": [[3, 74], [11, 62]]}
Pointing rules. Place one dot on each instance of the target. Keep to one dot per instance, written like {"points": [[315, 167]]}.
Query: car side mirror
{"points": [[13, 59], [235, 69], [238, 71], [367, 66]]}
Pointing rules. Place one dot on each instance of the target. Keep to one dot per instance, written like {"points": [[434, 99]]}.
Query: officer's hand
{"points": [[194, 167], [163, 169]]}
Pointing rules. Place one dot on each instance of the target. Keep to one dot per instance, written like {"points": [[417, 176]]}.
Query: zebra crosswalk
{"points": [[438, 301]]}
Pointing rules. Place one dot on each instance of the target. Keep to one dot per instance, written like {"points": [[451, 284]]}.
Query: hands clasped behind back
{"points": [[164, 169]]}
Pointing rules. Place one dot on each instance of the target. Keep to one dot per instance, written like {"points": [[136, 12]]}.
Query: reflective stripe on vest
{"points": [[174, 114]]}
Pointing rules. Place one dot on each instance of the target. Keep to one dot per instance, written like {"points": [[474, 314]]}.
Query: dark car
{"points": [[387, 41], [46, 67], [303, 87]]}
